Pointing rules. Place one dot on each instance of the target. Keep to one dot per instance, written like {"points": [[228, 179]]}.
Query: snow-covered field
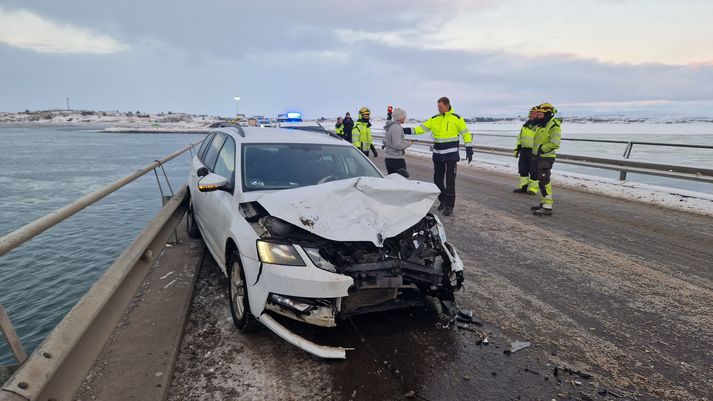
{"points": [[106, 119]]}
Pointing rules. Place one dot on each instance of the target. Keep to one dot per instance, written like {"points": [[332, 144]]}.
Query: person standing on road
{"points": [[447, 128], [348, 125], [361, 134], [339, 127], [395, 144], [548, 136], [523, 151]]}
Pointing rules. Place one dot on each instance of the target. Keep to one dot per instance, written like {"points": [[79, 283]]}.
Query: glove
{"points": [[517, 151], [469, 153], [373, 149]]}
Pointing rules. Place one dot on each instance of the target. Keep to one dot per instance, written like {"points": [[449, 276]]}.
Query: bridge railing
{"points": [[59, 365], [623, 165], [627, 150]]}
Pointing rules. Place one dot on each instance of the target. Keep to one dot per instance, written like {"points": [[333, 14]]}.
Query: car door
{"points": [[196, 163], [201, 199], [219, 207]]}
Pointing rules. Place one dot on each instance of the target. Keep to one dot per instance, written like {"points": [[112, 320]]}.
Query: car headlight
{"points": [[278, 254], [318, 260]]}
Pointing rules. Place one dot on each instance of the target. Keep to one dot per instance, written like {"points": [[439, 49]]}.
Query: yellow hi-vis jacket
{"points": [[339, 129], [547, 139], [447, 128], [361, 135], [526, 136]]}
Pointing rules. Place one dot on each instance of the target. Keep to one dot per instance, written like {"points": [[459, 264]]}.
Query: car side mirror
{"points": [[212, 182], [202, 172]]}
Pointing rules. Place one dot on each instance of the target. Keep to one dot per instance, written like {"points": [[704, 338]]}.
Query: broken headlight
{"points": [[278, 254], [318, 260]]}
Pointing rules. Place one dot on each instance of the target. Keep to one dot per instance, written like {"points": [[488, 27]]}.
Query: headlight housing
{"points": [[276, 253], [318, 260]]}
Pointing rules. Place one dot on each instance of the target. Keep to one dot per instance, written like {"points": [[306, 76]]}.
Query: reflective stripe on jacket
{"points": [[447, 128], [526, 137], [548, 138], [339, 129], [361, 135]]}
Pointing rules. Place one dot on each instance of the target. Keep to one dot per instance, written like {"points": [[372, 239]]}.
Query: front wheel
{"points": [[191, 226], [238, 295]]}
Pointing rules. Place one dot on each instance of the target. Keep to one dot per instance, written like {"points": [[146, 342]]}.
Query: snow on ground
{"points": [[695, 202], [107, 118]]}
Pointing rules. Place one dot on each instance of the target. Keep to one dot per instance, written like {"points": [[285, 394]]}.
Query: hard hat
{"points": [[547, 107], [364, 112]]}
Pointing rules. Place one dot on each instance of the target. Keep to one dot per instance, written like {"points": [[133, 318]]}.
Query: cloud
{"points": [[26, 30], [326, 58]]}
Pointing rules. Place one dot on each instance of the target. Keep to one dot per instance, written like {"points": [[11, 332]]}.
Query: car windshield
{"points": [[282, 166]]}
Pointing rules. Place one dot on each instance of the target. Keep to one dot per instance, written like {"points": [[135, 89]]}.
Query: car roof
{"points": [[279, 135]]}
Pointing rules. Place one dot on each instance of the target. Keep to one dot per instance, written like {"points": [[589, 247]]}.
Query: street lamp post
{"points": [[237, 101]]}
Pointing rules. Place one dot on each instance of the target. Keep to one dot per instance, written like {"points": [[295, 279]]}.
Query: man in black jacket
{"points": [[348, 125]]}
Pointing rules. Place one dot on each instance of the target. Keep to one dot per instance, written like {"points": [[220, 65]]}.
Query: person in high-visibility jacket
{"points": [[447, 128], [523, 151], [548, 136], [361, 134], [339, 127]]}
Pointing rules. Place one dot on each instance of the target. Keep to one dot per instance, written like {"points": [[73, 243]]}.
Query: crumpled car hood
{"points": [[357, 209]]}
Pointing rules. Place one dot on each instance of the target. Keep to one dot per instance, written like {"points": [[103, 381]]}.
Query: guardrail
{"points": [[57, 368], [622, 165], [627, 150]]}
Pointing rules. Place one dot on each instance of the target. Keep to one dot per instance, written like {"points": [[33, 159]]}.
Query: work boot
{"points": [[448, 211], [522, 190], [441, 206], [542, 212], [538, 207]]}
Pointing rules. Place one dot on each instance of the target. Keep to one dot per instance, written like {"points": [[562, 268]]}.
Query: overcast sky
{"points": [[492, 58]]}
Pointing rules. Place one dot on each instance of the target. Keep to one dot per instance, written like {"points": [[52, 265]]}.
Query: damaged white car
{"points": [[306, 227]]}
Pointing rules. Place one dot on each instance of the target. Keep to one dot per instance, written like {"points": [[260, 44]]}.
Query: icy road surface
{"points": [[615, 289]]}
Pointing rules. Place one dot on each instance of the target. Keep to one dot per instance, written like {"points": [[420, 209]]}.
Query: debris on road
{"points": [[518, 345]]}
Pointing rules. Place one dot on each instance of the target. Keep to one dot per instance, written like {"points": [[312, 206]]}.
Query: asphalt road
{"points": [[618, 290]]}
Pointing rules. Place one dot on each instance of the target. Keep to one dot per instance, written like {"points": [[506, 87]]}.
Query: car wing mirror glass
{"points": [[202, 172], [212, 182]]}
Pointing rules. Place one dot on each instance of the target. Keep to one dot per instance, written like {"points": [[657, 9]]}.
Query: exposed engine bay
{"points": [[416, 263]]}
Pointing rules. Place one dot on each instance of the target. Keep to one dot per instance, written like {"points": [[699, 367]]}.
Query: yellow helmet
{"points": [[364, 112], [545, 107]]}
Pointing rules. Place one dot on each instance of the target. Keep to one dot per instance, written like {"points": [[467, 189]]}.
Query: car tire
{"points": [[238, 295], [191, 226]]}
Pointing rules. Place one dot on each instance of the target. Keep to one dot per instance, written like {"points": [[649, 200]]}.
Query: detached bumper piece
{"points": [[321, 351]]}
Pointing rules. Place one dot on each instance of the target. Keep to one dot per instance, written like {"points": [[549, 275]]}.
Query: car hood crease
{"points": [[366, 209]]}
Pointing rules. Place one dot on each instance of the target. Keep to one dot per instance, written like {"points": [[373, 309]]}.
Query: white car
{"points": [[306, 227]]}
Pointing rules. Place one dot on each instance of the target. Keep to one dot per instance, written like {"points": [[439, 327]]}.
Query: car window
{"points": [[211, 153], [225, 164], [204, 145], [281, 166]]}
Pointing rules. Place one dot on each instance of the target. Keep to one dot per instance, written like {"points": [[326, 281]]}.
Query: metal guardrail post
{"points": [[627, 153], [11, 337]]}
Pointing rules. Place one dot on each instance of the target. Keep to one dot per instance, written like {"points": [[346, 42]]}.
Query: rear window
{"points": [[282, 166]]}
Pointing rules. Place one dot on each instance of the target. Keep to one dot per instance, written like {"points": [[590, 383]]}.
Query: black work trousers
{"points": [[525, 164], [544, 172], [446, 170], [394, 165]]}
